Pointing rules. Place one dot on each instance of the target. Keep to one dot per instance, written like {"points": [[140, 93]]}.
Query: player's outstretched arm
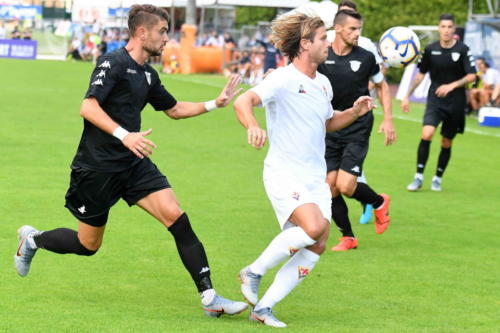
{"points": [[134, 141], [343, 119], [387, 126], [243, 106], [405, 103], [188, 109]]}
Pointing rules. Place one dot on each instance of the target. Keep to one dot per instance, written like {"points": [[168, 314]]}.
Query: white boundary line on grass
{"points": [[402, 117], [467, 129]]}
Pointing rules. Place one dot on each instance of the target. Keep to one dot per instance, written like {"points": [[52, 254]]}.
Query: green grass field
{"points": [[436, 269]]}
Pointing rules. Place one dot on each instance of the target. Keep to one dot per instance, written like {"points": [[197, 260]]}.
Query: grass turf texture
{"points": [[436, 269]]}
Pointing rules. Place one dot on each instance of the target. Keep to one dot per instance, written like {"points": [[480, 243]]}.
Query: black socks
{"points": [[444, 158], [422, 155], [62, 241], [364, 194], [191, 252], [340, 216]]}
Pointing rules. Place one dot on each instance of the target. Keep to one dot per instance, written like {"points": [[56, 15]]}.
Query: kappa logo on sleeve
{"points": [[105, 64], [97, 82], [102, 74]]}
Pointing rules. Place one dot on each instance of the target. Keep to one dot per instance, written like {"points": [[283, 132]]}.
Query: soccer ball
{"points": [[399, 46]]}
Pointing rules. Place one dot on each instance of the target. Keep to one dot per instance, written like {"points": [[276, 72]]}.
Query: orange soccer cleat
{"points": [[346, 243], [382, 218]]}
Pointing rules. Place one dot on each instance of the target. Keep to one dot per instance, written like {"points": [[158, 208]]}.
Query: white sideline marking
{"points": [[467, 129], [402, 117]]}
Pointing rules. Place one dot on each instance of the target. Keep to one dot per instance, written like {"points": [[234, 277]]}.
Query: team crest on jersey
{"points": [[296, 195], [292, 251], [455, 56], [303, 272], [148, 77], [97, 82], [301, 90], [355, 65], [105, 64], [324, 90]]}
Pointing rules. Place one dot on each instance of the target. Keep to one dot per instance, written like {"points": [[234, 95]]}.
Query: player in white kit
{"points": [[298, 113]]}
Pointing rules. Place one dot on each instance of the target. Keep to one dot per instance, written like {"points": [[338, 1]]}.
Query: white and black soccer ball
{"points": [[399, 46]]}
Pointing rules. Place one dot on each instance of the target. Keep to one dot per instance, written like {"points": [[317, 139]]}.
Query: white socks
{"points": [[288, 277], [419, 176], [282, 246], [207, 296]]}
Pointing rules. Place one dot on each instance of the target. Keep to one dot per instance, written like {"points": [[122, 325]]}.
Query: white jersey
{"points": [[297, 108], [492, 77], [363, 42]]}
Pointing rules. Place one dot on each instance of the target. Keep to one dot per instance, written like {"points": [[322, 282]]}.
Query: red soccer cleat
{"points": [[382, 218], [346, 243]]}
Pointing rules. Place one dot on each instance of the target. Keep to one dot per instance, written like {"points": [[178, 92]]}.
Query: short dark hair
{"points": [[341, 16], [348, 3], [145, 15], [447, 17], [484, 61]]}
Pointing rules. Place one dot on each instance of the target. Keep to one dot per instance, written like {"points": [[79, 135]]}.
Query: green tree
{"points": [[253, 15]]}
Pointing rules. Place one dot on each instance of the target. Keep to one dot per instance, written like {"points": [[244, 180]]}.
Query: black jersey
{"points": [[123, 88], [349, 76], [445, 66]]}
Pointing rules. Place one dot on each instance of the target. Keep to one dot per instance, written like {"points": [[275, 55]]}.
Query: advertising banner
{"points": [[18, 48]]}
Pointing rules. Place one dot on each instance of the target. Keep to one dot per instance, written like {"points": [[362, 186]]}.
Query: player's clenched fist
{"points": [[138, 144], [256, 137]]}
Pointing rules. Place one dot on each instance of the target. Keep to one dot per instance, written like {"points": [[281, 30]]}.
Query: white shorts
{"points": [[286, 193]]}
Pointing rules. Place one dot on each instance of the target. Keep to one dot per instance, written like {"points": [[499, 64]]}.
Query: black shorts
{"points": [[348, 156], [91, 194], [453, 121]]}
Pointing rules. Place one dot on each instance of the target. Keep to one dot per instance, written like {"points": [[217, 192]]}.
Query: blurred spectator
{"points": [[27, 35], [229, 40], [244, 66], [213, 40], [257, 71], [201, 39], [74, 49], [15, 34], [487, 79], [272, 54], [495, 96], [3, 32]]}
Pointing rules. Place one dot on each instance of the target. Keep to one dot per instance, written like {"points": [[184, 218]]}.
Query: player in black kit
{"points": [[451, 67], [112, 160], [349, 69]]}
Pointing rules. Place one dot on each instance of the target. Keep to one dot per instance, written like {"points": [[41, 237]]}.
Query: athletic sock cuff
{"points": [[182, 231], [301, 237], [310, 255]]}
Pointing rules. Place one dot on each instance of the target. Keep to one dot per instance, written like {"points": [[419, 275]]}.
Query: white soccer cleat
{"points": [[415, 185], [250, 285], [221, 305], [266, 317], [436, 184], [25, 252]]}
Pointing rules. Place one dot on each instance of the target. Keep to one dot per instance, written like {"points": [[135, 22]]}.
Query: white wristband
{"points": [[210, 105], [120, 133]]}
